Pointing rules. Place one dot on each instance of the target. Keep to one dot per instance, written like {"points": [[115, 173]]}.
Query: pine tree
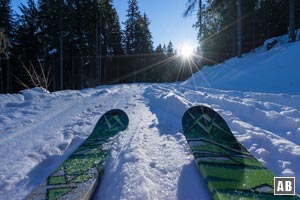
{"points": [[145, 37], [138, 38], [132, 28], [217, 27], [27, 47], [7, 32], [110, 29], [51, 18], [116, 34], [170, 49], [6, 16], [165, 49], [88, 28], [159, 49], [6, 28]]}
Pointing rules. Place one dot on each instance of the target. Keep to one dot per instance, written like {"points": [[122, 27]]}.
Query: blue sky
{"points": [[166, 16]]}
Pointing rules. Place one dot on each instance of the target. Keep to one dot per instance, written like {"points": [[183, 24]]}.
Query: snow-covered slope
{"points": [[151, 159], [275, 71]]}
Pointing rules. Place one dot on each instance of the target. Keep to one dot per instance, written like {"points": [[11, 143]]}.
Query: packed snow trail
{"points": [[148, 159], [151, 159]]}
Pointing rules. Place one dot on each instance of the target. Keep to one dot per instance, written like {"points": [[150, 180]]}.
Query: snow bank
{"points": [[273, 71]]}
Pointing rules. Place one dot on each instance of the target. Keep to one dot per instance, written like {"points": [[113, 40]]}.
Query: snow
{"points": [[273, 71], [151, 159]]}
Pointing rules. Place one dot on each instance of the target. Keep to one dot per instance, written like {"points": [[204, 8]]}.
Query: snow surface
{"points": [[151, 159], [275, 71]]}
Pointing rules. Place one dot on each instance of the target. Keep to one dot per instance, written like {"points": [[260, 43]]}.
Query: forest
{"points": [[229, 28], [57, 45]]}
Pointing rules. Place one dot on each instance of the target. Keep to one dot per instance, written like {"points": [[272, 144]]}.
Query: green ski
{"points": [[81, 172], [230, 171]]}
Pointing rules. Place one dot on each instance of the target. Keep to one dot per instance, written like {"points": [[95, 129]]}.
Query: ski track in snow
{"points": [[151, 159]]}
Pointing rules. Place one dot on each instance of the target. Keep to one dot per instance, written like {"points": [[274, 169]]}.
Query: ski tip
{"points": [[202, 115], [119, 116]]}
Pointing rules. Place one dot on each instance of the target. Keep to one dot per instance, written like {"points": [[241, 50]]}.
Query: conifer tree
{"points": [[6, 16], [6, 26], [110, 29], [51, 19], [159, 49], [217, 27], [146, 44], [27, 47], [138, 37], [7, 32], [165, 49], [132, 27], [170, 49]]}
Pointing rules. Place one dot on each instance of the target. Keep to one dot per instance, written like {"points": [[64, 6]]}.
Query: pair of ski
{"points": [[230, 171]]}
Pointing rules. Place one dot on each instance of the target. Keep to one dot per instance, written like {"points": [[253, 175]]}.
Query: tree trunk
{"points": [[239, 28], [100, 47], [97, 72], [253, 30], [8, 76], [73, 70], [81, 76], [54, 62], [1, 76], [292, 35], [200, 19], [61, 47]]}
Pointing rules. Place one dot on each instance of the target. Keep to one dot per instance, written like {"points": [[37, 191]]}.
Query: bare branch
{"points": [[36, 75], [29, 74], [21, 82]]}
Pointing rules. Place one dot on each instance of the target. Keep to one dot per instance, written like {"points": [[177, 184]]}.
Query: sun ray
{"points": [[162, 62], [186, 50]]}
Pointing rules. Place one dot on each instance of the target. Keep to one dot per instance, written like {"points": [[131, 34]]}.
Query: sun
{"points": [[186, 51]]}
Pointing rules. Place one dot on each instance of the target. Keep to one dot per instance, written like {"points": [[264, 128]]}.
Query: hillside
{"points": [[273, 71]]}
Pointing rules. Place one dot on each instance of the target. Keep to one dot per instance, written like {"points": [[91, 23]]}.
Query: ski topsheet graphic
{"points": [[81, 172], [230, 171]]}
